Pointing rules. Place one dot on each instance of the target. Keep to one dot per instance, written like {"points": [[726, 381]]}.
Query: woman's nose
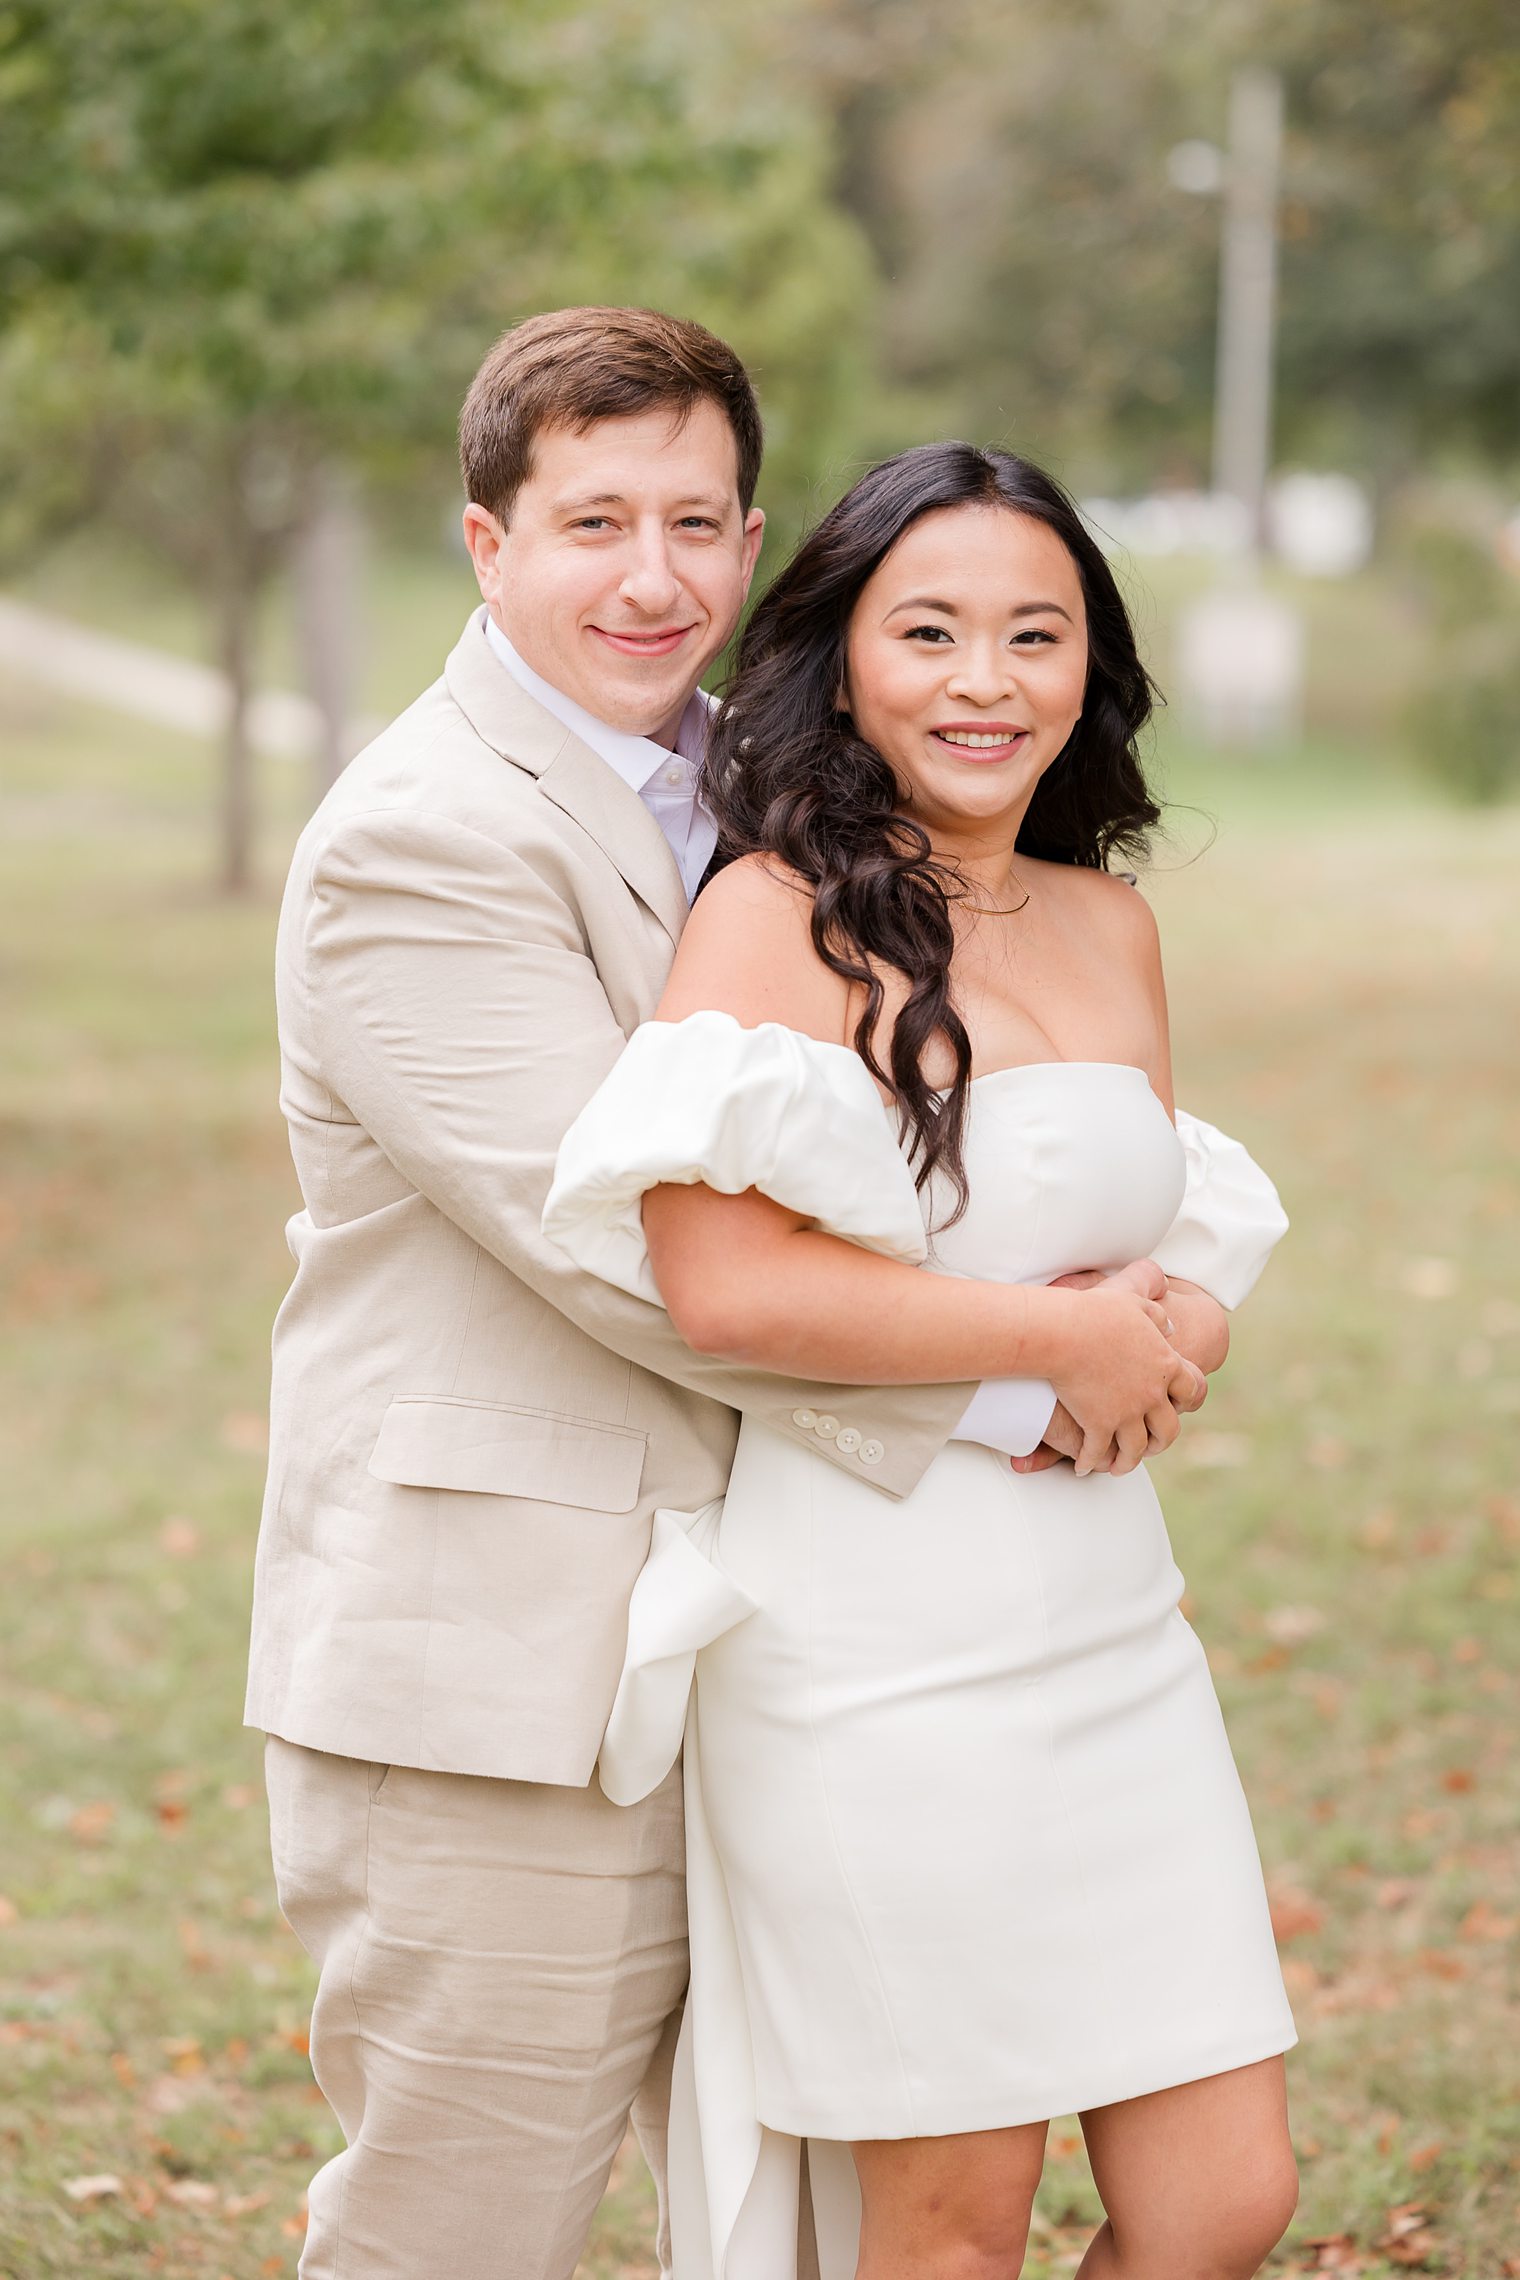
{"points": [[983, 676]]}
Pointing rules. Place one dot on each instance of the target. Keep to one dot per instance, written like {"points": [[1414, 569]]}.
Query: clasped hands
{"points": [[1198, 1329]]}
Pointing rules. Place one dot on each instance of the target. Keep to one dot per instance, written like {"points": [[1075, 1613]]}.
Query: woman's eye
{"points": [[1031, 636], [934, 633]]}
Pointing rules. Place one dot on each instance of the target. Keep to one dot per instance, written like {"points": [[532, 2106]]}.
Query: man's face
{"points": [[624, 565]]}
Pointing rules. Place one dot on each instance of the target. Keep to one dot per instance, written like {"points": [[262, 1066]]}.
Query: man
{"points": [[469, 1437]]}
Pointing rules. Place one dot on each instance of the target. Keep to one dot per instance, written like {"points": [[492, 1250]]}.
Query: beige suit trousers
{"points": [[502, 1965]]}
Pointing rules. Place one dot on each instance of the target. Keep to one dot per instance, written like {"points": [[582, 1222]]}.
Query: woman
{"points": [[967, 1847]]}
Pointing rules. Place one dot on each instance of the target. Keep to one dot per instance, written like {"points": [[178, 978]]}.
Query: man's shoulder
{"points": [[431, 766]]}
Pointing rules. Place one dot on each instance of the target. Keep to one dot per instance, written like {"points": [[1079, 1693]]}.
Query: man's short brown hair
{"points": [[572, 367]]}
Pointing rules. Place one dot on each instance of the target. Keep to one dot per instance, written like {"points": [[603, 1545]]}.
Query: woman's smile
{"points": [[980, 741]]}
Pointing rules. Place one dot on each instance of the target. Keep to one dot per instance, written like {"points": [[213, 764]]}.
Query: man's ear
{"points": [[483, 535], [754, 533]]}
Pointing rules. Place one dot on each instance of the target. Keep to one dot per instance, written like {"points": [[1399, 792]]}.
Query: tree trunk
{"points": [[327, 578], [237, 600]]}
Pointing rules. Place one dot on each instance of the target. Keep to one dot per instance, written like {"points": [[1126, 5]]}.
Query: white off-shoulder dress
{"points": [[966, 1844]]}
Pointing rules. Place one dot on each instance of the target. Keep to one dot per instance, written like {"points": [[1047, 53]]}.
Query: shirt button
{"points": [[675, 776], [871, 1452], [849, 1441], [806, 1418], [826, 1427]]}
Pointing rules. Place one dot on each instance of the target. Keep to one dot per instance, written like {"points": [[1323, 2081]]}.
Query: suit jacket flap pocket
{"points": [[432, 1441]]}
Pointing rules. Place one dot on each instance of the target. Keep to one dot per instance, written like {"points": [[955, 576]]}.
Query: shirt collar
{"points": [[634, 758]]}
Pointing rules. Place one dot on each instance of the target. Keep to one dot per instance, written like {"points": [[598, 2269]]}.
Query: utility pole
{"points": [[1240, 649], [1247, 295]]}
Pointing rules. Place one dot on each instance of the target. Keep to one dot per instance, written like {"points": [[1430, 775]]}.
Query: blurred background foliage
{"points": [[251, 252]]}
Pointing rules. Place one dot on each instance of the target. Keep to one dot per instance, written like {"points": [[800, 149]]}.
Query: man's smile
{"points": [[661, 643]]}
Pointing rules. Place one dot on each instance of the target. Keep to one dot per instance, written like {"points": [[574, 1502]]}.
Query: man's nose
{"points": [[649, 583]]}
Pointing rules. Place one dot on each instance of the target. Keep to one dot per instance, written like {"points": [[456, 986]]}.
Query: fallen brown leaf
{"points": [[1459, 1780], [1483, 1922], [1425, 2156], [1293, 1915], [1334, 2252], [91, 1822], [101, 2188]]}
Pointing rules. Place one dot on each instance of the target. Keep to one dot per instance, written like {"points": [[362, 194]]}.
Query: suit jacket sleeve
{"points": [[461, 1021]]}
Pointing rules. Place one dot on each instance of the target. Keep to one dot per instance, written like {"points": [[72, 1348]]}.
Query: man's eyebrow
{"points": [[715, 501], [588, 499], [948, 609]]}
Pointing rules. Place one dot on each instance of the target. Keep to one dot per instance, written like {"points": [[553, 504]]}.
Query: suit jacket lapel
{"points": [[569, 773]]}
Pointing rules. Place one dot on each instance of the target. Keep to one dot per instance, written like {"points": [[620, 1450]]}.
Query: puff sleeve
{"points": [[707, 1100]]}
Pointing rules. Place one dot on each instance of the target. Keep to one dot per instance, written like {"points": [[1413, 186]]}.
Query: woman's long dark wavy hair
{"points": [[788, 774]]}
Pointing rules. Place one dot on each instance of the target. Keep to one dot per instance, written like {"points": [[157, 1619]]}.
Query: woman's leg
{"points": [[947, 2208], [1199, 2182]]}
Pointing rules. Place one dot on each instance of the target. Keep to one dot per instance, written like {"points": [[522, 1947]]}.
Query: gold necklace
{"points": [[999, 910]]}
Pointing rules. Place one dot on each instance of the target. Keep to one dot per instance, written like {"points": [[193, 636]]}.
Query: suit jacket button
{"points": [[826, 1427], [806, 1418], [871, 1452], [849, 1441]]}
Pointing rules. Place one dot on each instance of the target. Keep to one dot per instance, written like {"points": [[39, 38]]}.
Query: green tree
{"points": [[242, 239]]}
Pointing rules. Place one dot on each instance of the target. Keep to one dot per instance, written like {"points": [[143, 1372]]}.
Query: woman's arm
{"points": [[746, 1279]]}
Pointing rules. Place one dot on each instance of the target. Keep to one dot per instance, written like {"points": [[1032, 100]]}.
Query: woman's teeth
{"points": [[977, 743]]}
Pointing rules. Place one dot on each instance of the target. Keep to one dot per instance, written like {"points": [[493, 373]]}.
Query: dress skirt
{"points": [[984, 1849]]}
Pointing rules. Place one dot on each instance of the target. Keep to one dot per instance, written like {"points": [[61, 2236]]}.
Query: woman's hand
{"points": [[1123, 1380], [1200, 1333]]}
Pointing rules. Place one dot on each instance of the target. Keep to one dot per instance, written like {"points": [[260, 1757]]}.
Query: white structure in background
{"points": [[1240, 666], [1240, 651], [1170, 522], [1320, 525]]}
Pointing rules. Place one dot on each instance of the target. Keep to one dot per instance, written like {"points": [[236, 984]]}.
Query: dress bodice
{"points": [[1069, 1164]]}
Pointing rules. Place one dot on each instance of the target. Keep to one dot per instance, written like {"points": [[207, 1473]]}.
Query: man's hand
{"points": [[1199, 1331]]}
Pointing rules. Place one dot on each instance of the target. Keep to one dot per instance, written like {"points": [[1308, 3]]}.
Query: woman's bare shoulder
{"points": [[1110, 900], [747, 949]]}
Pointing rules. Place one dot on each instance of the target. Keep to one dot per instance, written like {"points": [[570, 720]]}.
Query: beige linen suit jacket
{"points": [[469, 1436]]}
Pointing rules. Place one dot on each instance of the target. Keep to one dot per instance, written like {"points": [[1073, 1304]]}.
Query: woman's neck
{"points": [[986, 861]]}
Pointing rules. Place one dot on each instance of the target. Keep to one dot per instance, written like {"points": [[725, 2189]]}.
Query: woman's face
{"points": [[966, 664]]}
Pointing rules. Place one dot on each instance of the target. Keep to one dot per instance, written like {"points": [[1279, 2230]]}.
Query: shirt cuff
{"points": [[1008, 1414]]}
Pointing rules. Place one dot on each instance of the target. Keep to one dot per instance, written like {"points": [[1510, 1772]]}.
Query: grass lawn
{"points": [[1345, 964]]}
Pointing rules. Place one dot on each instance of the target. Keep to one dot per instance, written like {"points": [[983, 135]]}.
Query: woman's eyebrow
{"points": [[948, 609]]}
